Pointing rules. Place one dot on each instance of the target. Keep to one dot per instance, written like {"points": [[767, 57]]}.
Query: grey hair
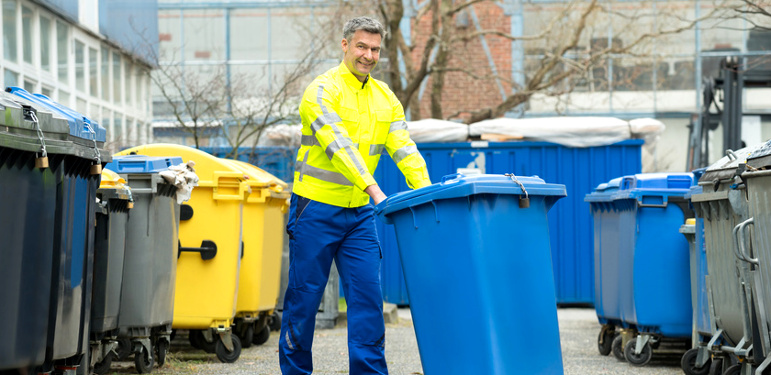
{"points": [[367, 24]]}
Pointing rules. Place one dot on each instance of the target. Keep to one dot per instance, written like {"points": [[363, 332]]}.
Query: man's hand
{"points": [[375, 192]]}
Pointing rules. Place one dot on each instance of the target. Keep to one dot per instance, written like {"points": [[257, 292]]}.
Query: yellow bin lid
{"points": [[690, 221], [226, 180], [258, 178], [112, 180]]}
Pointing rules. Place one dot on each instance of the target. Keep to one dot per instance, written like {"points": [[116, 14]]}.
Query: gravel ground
{"points": [[578, 332]]}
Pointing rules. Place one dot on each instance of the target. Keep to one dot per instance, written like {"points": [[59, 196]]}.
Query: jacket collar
{"points": [[351, 79]]}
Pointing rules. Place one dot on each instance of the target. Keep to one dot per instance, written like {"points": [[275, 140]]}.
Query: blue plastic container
{"points": [[579, 169], [468, 239], [655, 206], [607, 264]]}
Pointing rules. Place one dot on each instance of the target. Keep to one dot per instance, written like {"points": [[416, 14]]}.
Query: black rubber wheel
{"points": [[617, 348], [143, 361], [161, 348], [688, 363], [641, 359], [195, 338], [173, 335], [262, 336], [606, 345], [224, 355], [274, 322], [103, 367], [246, 335], [734, 370], [716, 367], [124, 349]]}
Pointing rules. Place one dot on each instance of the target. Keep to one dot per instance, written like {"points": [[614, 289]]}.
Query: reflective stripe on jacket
{"points": [[346, 126]]}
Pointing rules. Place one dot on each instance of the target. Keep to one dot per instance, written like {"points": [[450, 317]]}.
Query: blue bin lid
{"points": [[605, 191], [127, 164], [655, 184], [459, 185], [80, 125]]}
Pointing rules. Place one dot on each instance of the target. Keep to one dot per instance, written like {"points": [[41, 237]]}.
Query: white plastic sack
{"points": [[281, 135], [433, 130], [564, 130], [183, 177]]}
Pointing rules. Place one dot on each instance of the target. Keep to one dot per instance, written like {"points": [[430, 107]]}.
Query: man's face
{"points": [[361, 53]]}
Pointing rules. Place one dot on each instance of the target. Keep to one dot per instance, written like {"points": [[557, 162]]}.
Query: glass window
{"points": [[45, 44], [11, 78], [81, 106], [9, 30], [107, 124], [30, 86], [93, 113], [93, 79], [80, 69], [47, 91], [118, 130], [128, 83], [116, 74], [64, 98], [26, 32], [62, 50], [105, 73]]}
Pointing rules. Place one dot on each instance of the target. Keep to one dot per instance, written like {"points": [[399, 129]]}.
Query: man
{"points": [[348, 119]]}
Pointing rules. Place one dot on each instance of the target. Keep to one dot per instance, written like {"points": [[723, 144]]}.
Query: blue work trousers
{"points": [[319, 233]]}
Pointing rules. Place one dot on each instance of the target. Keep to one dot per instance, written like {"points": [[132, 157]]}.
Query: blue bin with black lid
{"points": [[483, 242], [655, 284]]}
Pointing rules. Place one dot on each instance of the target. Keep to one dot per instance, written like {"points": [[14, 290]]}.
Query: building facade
{"points": [[94, 56]]}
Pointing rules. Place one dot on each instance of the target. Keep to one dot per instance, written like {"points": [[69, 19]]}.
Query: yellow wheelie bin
{"points": [[260, 279], [210, 250]]}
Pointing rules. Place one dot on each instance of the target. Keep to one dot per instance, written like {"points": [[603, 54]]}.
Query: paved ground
{"points": [[578, 332]]}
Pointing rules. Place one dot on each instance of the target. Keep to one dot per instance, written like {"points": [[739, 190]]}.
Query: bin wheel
{"points": [[195, 339], [688, 363], [102, 367], [733, 370], [617, 347], [262, 336], [246, 336], [274, 322], [606, 345], [716, 367], [124, 348], [143, 361], [641, 359], [161, 348], [173, 335], [224, 355]]}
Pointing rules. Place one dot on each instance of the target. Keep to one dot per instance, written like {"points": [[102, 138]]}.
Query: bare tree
{"points": [[565, 60]]}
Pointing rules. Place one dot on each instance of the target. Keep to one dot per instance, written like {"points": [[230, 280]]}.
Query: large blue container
{"points": [[579, 169], [469, 239], [656, 208]]}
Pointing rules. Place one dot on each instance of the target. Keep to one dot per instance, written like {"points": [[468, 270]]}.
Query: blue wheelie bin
{"points": [[653, 206], [483, 240], [610, 228]]}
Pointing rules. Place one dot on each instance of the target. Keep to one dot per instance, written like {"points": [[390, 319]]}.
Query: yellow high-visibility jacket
{"points": [[346, 125]]}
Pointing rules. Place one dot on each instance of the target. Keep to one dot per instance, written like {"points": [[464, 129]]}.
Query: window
{"points": [[49, 92], [105, 73], [118, 129], [11, 78], [80, 69], [45, 44], [81, 106], [107, 124], [26, 32], [116, 74], [9, 30], [128, 84], [62, 50], [64, 98], [93, 61], [30, 86]]}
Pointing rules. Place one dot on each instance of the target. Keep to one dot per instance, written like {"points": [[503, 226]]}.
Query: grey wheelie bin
{"points": [[48, 159], [150, 262], [722, 205], [114, 202], [756, 253]]}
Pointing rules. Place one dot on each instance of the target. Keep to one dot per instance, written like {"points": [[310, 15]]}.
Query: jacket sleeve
{"points": [[403, 150], [317, 109]]}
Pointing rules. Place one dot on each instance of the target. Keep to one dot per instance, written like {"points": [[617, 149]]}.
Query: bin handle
{"points": [[451, 177], [208, 250], [741, 249]]}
